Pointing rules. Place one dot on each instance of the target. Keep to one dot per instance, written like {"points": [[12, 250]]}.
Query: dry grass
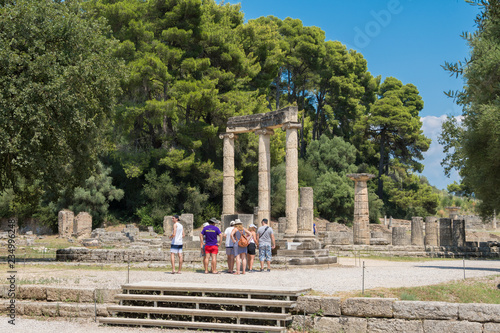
{"points": [[476, 290]]}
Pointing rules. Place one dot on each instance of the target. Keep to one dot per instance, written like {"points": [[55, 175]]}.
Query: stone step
{"points": [[201, 313], [190, 325], [206, 300], [303, 253]]}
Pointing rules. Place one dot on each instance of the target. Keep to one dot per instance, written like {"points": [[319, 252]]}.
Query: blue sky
{"points": [[406, 39]]}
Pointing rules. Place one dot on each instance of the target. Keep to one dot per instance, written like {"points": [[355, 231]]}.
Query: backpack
{"points": [[243, 242]]}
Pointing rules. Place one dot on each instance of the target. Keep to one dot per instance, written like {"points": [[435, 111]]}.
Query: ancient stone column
{"points": [[399, 236], [305, 213], [264, 173], [82, 225], [65, 223], [417, 231], [292, 177], [431, 231], [445, 238], [458, 232], [361, 208], [228, 173]]}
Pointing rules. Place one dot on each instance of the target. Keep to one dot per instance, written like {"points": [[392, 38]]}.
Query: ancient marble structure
{"points": [[458, 232], [264, 124], [82, 225], [361, 208], [305, 213], [187, 221], [399, 236], [417, 231], [431, 231], [65, 223], [69, 225], [445, 237]]}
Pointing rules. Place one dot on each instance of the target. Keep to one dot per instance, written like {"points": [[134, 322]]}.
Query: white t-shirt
{"points": [[229, 241], [177, 240]]}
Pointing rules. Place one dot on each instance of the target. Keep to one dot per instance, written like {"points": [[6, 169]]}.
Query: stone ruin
{"points": [[71, 226]]}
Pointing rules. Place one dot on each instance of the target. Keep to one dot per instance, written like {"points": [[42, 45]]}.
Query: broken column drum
{"points": [[399, 236], [361, 208], [431, 231], [417, 231], [445, 237], [458, 233], [305, 213]]}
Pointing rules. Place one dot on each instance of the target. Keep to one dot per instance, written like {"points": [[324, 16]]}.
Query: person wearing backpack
{"points": [[266, 241], [240, 237]]}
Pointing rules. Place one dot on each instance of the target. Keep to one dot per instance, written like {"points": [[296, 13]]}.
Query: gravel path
{"points": [[343, 277]]}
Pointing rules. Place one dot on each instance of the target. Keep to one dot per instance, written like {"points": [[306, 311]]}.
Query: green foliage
{"points": [[94, 197], [472, 145], [408, 195], [188, 66], [59, 83]]}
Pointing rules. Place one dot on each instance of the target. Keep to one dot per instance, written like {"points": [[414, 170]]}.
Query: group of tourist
{"points": [[241, 245]]}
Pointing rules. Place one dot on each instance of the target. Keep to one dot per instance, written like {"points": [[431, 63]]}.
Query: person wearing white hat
{"points": [[229, 247]]}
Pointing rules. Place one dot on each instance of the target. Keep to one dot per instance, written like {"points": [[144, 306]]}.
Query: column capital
{"points": [[227, 136], [264, 131], [291, 125]]}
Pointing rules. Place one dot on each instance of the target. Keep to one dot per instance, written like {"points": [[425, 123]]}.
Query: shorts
{"points": [[265, 253], [213, 249], [175, 248], [251, 249], [229, 251]]}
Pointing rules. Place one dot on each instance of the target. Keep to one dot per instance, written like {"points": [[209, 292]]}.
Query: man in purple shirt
{"points": [[213, 239]]}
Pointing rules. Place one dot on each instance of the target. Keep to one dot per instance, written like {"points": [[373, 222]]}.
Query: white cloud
{"points": [[431, 126]]}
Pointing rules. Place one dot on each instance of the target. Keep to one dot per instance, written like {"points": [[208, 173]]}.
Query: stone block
{"points": [[32, 309], [451, 326], [342, 324], [491, 328], [55, 294], [82, 225], [399, 237], [308, 304], [302, 261], [479, 312], [247, 219], [394, 326], [187, 221], [326, 306], [107, 295], [325, 260], [167, 225], [38, 293], [300, 323], [368, 307], [65, 223], [425, 310]]}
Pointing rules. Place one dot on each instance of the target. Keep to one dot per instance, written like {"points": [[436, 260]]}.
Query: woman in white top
{"points": [[252, 245]]}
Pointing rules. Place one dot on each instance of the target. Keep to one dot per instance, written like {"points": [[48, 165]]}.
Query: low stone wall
{"points": [[486, 250], [61, 294], [330, 314]]}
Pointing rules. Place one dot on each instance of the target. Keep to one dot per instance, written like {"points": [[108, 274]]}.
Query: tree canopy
{"points": [[472, 144], [58, 88], [189, 65]]}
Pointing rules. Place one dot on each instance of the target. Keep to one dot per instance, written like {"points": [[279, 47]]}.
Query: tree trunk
{"points": [[381, 165]]}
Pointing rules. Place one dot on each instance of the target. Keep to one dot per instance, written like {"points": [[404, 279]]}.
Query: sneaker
{"points": [[268, 270]]}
